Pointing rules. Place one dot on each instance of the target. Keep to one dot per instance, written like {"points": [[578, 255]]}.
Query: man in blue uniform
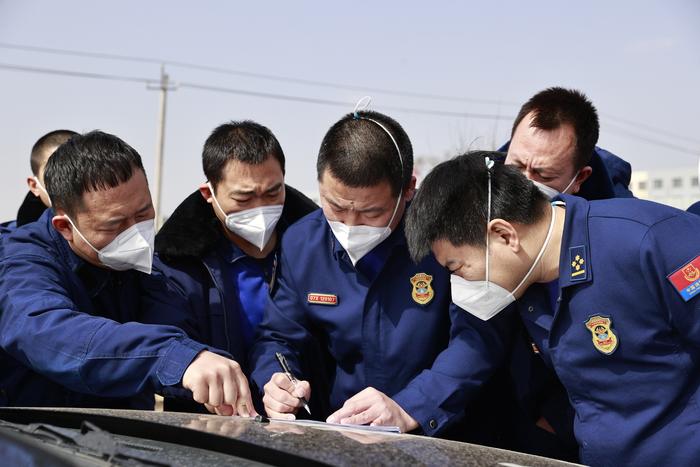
{"points": [[553, 142], [219, 251], [37, 200], [71, 287], [607, 290], [398, 353]]}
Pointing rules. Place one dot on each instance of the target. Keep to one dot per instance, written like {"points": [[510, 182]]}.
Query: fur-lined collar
{"points": [[193, 229], [31, 209]]}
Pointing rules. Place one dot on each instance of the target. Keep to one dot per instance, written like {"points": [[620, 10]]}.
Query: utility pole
{"points": [[163, 86]]}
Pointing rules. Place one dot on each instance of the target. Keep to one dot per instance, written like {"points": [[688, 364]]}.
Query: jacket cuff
{"points": [[176, 360], [431, 419]]}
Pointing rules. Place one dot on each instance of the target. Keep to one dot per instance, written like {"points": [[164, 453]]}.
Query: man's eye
{"points": [[241, 200]]}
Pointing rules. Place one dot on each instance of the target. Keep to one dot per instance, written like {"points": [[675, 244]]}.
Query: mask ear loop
{"points": [[489, 165], [571, 182], [211, 188], [363, 104], [81, 235], [41, 187]]}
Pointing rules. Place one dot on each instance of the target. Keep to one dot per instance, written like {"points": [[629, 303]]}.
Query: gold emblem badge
{"points": [[422, 292], [604, 338], [691, 273]]}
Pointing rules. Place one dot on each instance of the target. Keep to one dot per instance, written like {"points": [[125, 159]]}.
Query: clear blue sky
{"points": [[638, 61]]}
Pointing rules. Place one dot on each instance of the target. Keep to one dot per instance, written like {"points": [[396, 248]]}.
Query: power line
{"points": [[326, 84], [651, 128], [250, 74], [79, 74], [347, 105], [664, 144], [244, 92], [311, 100]]}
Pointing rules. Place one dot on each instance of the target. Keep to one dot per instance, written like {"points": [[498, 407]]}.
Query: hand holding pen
{"points": [[284, 394]]}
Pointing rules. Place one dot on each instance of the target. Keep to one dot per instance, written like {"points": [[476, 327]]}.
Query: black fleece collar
{"points": [[193, 230]]}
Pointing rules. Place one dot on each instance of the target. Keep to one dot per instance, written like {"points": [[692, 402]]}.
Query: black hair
{"points": [[245, 141], [556, 106], [90, 162], [359, 153], [452, 201], [50, 141]]}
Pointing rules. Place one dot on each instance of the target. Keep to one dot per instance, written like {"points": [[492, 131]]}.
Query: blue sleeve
{"points": [[438, 396], [41, 327], [164, 302], [283, 329], [668, 247]]}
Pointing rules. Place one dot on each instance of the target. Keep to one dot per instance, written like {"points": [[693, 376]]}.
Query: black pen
{"points": [[287, 371]]}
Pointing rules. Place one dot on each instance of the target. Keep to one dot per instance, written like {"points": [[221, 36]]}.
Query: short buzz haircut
{"points": [[359, 153], [46, 145], [90, 162], [452, 201], [245, 141], [556, 106]]}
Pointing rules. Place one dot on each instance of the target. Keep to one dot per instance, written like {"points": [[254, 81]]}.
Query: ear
{"points": [[206, 192], [503, 233], [33, 187], [410, 190], [62, 226], [582, 176]]}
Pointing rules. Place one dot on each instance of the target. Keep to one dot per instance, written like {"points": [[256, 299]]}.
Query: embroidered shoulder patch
{"points": [[577, 261], [686, 280]]}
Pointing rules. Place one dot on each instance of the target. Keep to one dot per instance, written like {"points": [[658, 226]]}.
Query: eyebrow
{"points": [[274, 188], [252, 192], [116, 220], [362, 211]]}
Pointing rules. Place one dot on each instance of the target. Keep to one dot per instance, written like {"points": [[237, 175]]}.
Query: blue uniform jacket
{"points": [[622, 340], [430, 358], [188, 258], [610, 177], [67, 329]]}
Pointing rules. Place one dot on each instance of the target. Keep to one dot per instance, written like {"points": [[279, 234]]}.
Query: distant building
{"points": [[677, 187]]}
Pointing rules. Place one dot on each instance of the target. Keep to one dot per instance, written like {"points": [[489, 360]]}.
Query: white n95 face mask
{"points": [[358, 240], [255, 225], [485, 299], [131, 249], [550, 192]]}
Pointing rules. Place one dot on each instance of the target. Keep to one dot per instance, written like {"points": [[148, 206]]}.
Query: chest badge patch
{"points": [[422, 292], [322, 298], [686, 280], [604, 338]]}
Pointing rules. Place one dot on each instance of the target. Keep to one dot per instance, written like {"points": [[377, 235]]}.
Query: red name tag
{"points": [[323, 299]]}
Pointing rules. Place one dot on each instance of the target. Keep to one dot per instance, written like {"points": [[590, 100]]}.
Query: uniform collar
{"points": [[229, 251], [93, 277], [575, 255]]}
